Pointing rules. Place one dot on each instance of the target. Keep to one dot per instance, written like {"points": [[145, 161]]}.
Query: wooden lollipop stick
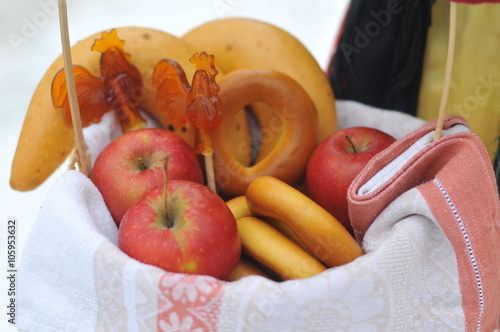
{"points": [[210, 172], [448, 70], [80, 154]]}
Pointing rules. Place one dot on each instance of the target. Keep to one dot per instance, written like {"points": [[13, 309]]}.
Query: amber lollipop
{"points": [[119, 87], [122, 80], [204, 110], [173, 89], [197, 104]]}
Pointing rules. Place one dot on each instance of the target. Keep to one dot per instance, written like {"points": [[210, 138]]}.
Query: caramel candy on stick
{"points": [[118, 88], [198, 104]]}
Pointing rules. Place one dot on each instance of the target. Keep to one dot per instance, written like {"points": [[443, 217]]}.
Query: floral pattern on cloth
{"points": [[188, 303]]}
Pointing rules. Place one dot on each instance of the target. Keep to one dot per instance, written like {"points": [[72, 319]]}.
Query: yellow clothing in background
{"points": [[475, 86]]}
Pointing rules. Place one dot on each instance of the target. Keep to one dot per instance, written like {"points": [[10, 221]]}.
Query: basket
{"points": [[425, 210], [429, 262]]}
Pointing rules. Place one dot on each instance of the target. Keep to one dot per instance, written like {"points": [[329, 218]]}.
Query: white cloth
{"points": [[72, 265], [73, 277], [397, 124]]}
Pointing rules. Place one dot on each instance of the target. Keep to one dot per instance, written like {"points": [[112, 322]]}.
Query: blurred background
{"points": [[30, 42]]}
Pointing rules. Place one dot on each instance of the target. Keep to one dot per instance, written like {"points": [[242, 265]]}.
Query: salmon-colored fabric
{"points": [[455, 176]]}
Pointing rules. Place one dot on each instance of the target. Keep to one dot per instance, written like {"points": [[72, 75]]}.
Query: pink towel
{"points": [[452, 184]]}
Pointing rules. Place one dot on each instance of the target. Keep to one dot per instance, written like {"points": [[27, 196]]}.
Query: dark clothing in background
{"points": [[379, 56]]}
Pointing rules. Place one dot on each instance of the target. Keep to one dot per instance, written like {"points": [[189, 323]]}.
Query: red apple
{"points": [[196, 233], [132, 164], [336, 161]]}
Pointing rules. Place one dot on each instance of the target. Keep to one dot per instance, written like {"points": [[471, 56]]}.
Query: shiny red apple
{"points": [[193, 231], [335, 163], [132, 164]]}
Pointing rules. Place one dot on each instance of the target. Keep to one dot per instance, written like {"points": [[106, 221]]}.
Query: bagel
{"points": [[288, 158]]}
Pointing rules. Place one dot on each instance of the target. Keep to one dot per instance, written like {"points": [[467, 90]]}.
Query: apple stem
{"points": [[351, 143], [142, 164], [165, 194]]}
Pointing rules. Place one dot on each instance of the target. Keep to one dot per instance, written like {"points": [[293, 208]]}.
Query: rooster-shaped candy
{"points": [[118, 88], [198, 104]]}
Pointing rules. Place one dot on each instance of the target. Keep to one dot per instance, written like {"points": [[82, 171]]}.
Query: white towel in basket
{"points": [[429, 265]]}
